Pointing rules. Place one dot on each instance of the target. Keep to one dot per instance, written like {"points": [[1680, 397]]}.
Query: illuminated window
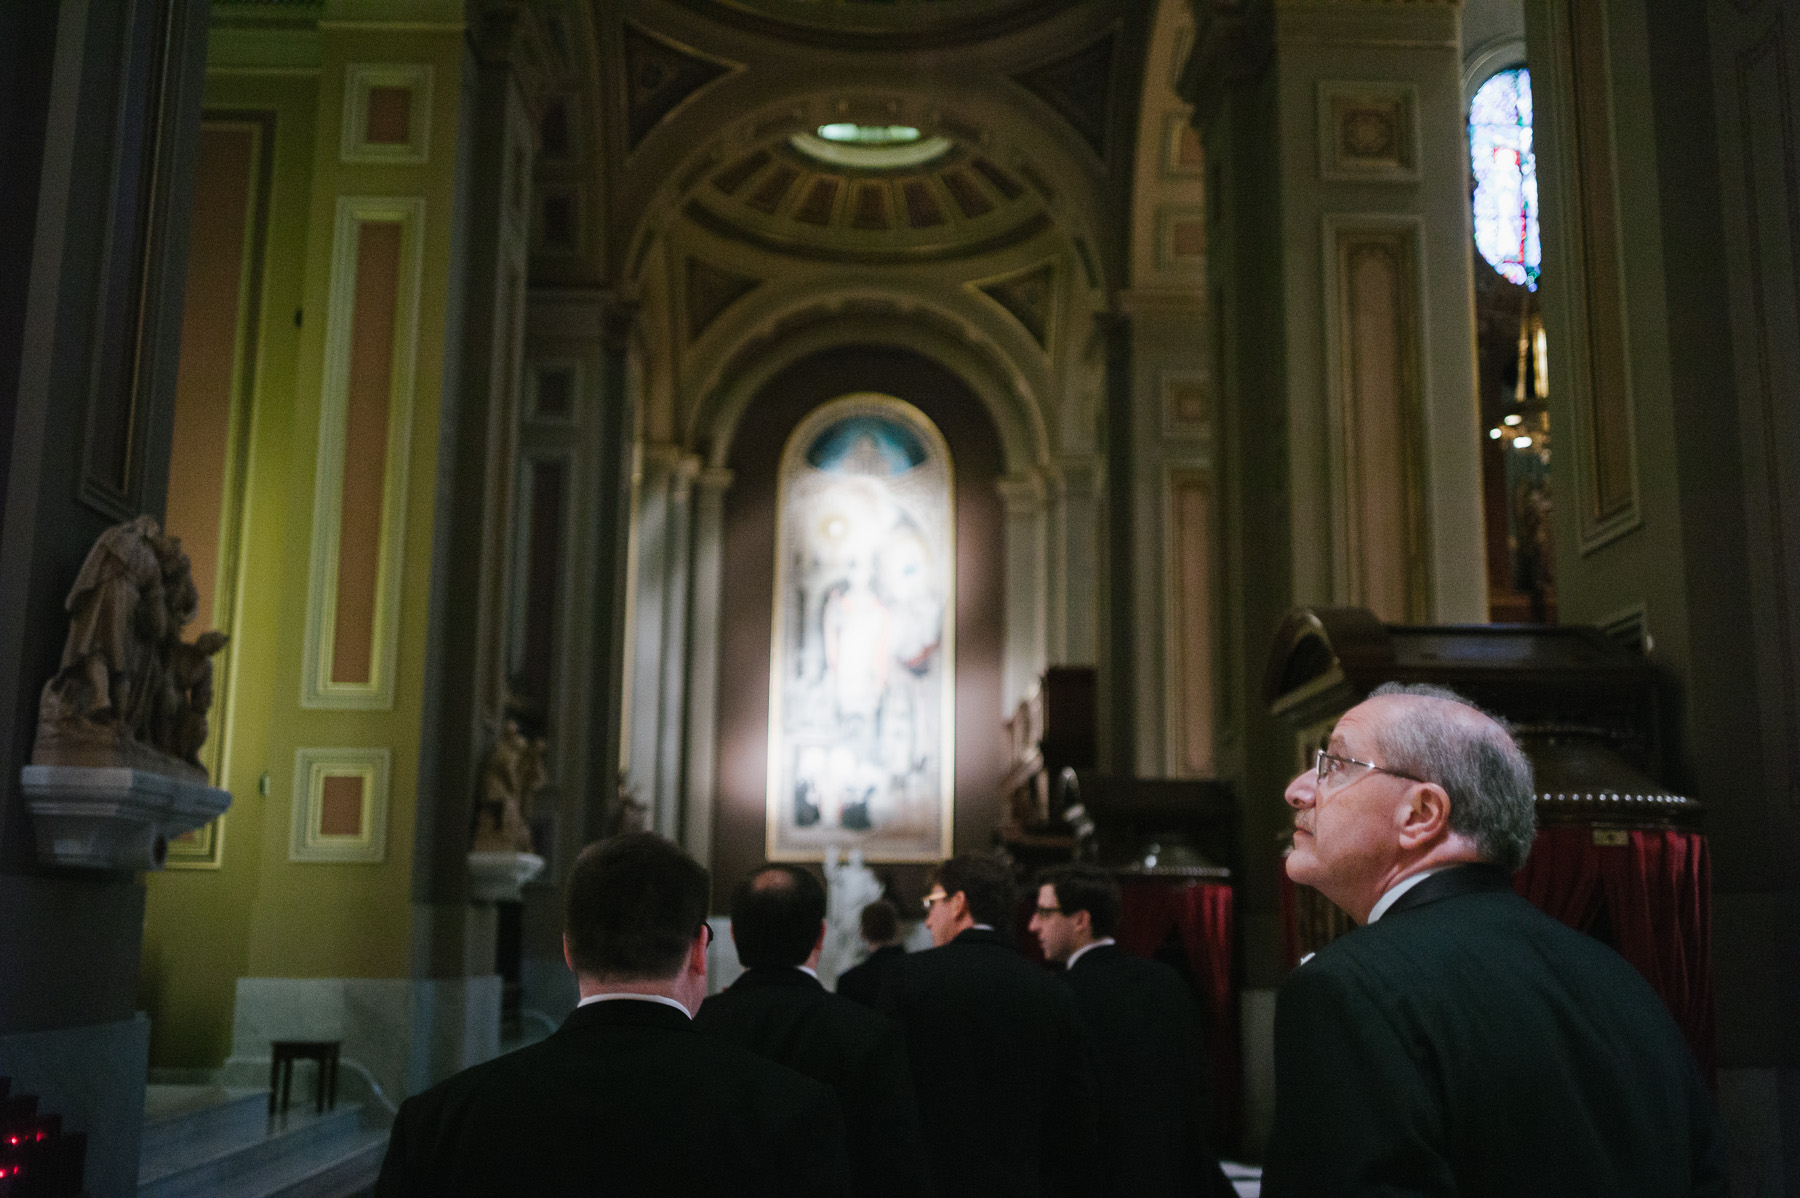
{"points": [[870, 147], [863, 661], [1504, 166]]}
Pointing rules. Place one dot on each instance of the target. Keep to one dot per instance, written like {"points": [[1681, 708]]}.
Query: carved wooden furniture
{"points": [[1053, 729]]}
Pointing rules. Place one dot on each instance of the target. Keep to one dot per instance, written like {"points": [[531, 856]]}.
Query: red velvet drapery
{"points": [[1656, 891]]}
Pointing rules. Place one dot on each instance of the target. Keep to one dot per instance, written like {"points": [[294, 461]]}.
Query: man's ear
{"points": [[1084, 924], [959, 905], [1426, 816], [819, 940], [568, 957], [696, 962]]}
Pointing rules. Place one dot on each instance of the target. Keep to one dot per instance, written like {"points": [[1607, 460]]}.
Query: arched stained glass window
{"points": [[1504, 166], [863, 662]]}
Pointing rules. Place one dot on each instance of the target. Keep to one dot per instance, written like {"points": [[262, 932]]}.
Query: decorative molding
{"points": [[1189, 685], [314, 808], [1489, 59], [1181, 238], [381, 94], [318, 690], [1368, 132], [1078, 88], [1188, 402], [557, 402], [1184, 157], [1773, 404], [559, 227], [661, 76], [1376, 426], [1028, 296], [1577, 81], [709, 290]]}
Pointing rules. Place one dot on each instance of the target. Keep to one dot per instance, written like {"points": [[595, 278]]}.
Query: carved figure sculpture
{"points": [[629, 813], [512, 774], [130, 691]]}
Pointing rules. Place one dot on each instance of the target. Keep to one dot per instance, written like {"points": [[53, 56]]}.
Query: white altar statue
{"points": [[850, 886]]}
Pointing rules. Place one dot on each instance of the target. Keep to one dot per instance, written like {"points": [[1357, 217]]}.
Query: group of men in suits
{"points": [[1458, 1043]]}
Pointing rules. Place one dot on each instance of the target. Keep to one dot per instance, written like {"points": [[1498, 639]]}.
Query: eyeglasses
{"points": [[1049, 910], [932, 900], [1330, 768]]}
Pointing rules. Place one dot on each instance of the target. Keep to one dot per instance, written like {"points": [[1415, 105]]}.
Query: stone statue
{"points": [[849, 887], [629, 814], [130, 691], [510, 777]]}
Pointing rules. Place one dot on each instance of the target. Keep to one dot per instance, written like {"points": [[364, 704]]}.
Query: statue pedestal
{"points": [[495, 877], [113, 817]]}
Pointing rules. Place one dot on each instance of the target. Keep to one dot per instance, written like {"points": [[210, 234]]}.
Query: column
{"points": [[1026, 586], [710, 486]]}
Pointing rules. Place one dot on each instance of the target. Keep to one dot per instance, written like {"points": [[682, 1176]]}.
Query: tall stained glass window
{"points": [[862, 666], [1504, 166]]}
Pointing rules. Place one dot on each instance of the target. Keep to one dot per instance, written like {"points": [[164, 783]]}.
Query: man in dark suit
{"points": [[881, 932], [778, 1010], [1462, 1042], [1003, 1076], [626, 1098], [1148, 1042]]}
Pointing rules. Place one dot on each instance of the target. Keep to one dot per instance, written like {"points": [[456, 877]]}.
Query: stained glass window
{"points": [[863, 666], [1505, 170]]}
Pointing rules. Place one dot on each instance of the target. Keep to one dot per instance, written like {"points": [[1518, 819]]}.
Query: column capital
{"points": [[1023, 494]]}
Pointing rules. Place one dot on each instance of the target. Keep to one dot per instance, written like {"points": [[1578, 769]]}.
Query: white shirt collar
{"points": [[979, 927], [809, 971], [1092, 944], [664, 999], [1393, 893]]}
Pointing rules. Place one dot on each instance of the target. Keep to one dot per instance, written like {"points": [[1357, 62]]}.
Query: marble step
{"points": [[338, 1168], [223, 1152], [176, 1118]]}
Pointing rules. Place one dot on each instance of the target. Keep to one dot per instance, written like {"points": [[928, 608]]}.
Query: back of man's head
{"points": [[1087, 888], [880, 922], [987, 882], [1471, 753], [632, 909], [776, 914]]}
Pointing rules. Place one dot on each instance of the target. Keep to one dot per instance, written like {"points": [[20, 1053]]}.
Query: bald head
{"points": [[776, 916], [1435, 734]]}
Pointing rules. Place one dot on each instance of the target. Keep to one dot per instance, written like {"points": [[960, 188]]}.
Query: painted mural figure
{"points": [[858, 750]]}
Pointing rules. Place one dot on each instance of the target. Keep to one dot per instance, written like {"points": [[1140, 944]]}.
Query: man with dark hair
{"points": [[626, 1098], [881, 932], [996, 1048], [1461, 1041], [778, 1010], [1148, 1041]]}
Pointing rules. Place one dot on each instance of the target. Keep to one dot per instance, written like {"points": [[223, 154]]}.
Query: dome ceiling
{"points": [[958, 203], [912, 22]]}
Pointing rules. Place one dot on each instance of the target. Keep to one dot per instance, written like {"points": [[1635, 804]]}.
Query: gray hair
{"points": [[1479, 765]]}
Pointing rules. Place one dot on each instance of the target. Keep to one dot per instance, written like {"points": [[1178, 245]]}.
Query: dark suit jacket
{"points": [[1150, 1061], [862, 983], [786, 1016], [1468, 1044], [625, 1099], [1005, 1086]]}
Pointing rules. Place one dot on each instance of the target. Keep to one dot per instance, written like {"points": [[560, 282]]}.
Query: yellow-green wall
{"points": [[258, 913]]}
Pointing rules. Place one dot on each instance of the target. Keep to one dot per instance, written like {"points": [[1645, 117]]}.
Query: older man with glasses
{"points": [[1461, 1042], [1003, 1074]]}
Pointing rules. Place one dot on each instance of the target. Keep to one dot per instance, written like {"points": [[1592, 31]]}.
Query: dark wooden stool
{"points": [[283, 1054]]}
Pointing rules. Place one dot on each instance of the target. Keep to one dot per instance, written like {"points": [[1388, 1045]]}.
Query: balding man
{"points": [[1462, 1042], [779, 1011]]}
